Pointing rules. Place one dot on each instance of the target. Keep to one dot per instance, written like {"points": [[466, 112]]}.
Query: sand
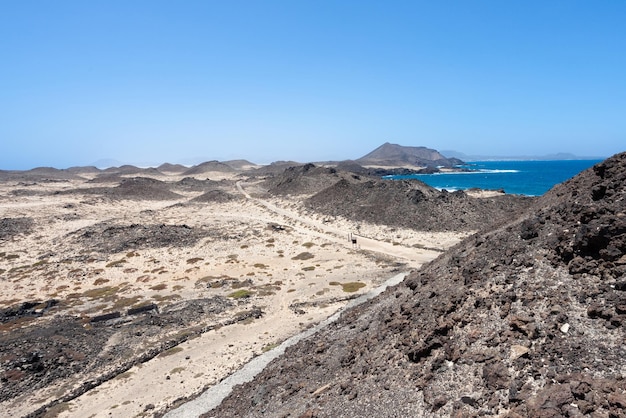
{"points": [[293, 261]]}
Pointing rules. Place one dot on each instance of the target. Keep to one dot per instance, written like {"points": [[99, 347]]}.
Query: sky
{"points": [[147, 82]]}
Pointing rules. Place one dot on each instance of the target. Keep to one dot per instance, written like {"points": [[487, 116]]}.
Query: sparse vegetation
{"points": [[240, 294], [159, 286], [56, 410], [303, 256], [116, 263], [352, 286], [269, 347], [171, 351]]}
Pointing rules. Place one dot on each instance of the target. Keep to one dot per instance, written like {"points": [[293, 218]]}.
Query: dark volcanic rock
{"points": [[11, 227], [307, 179], [524, 320], [62, 350], [216, 196], [118, 238], [135, 188], [413, 204], [193, 184]]}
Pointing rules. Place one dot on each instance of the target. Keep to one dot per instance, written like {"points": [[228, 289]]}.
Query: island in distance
{"points": [[128, 290]]}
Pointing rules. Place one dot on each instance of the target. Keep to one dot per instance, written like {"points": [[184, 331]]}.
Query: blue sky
{"points": [[146, 82]]}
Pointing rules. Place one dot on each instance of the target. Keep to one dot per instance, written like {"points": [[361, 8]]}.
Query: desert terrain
{"points": [[524, 319], [125, 291]]}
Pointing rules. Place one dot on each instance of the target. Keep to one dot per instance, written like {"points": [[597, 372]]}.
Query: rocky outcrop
{"points": [[413, 204], [523, 320]]}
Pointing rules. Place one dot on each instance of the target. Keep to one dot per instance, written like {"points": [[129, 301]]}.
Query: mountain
{"points": [[393, 155], [526, 319]]}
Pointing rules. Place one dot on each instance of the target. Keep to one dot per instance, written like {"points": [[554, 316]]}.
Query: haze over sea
{"points": [[532, 178]]}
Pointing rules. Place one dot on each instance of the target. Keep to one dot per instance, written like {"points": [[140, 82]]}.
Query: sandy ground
{"points": [[294, 275]]}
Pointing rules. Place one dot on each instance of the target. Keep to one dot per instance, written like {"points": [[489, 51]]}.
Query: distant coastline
{"points": [[523, 177], [561, 156]]}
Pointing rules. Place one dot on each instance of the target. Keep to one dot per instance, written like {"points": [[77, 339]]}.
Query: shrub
{"points": [[303, 256], [352, 286], [240, 294]]}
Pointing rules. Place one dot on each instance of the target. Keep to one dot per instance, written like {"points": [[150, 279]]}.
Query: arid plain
{"points": [[125, 292]]}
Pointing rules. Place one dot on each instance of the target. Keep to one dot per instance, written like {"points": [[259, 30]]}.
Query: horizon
{"points": [[147, 83], [104, 164]]}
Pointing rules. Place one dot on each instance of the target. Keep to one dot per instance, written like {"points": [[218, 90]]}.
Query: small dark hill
{"points": [[172, 168], [135, 188], [352, 167], [216, 196], [241, 165], [193, 184], [84, 170], [143, 188], [42, 174], [275, 168], [124, 170], [394, 155], [413, 204], [108, 239], [306, 179], [527, 320], [207, 167]]}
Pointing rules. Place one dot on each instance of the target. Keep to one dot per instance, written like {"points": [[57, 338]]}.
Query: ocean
{"points": [[532, 178]]}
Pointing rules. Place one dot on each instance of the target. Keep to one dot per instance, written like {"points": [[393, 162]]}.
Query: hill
{"points": [[524, 320], [413, 204], [392, 155], [207, 167], [305, 179]]}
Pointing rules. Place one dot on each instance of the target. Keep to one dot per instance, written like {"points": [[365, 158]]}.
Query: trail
{"points": [[415, 257]]}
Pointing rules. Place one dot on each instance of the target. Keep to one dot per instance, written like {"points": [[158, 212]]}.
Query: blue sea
{"points": [[532, 178]]}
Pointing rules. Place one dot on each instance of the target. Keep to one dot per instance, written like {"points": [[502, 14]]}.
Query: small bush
{"points": [[240, 294], [117, 263], [352, 286], [303, 256], [308, 244], [269, 347]]}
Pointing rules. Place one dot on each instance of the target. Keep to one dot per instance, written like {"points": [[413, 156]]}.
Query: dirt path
{"points": [[414, 256]]}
